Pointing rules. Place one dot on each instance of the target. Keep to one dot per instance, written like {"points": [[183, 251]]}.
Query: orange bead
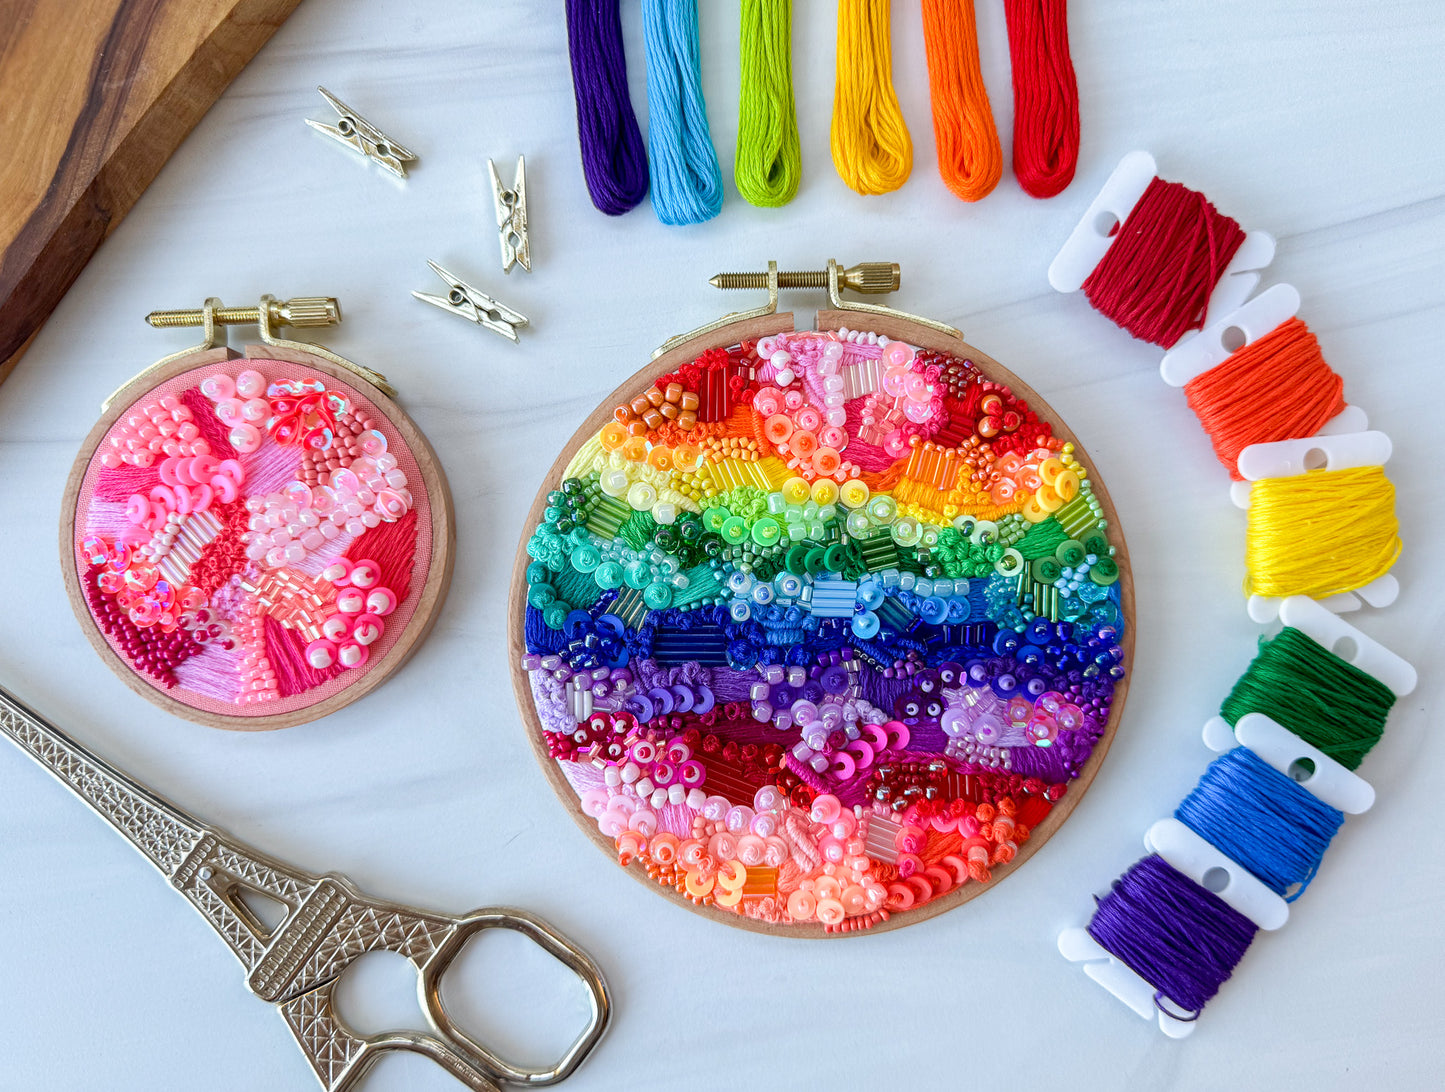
{"points": [[612, 436]]}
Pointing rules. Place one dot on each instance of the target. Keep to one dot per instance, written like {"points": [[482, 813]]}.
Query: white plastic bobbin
{"points": [[1330, 631], [1212, 870], [1291, 458], [1077, 946], [1327, 780], [1198, 353], [1097, 229]]}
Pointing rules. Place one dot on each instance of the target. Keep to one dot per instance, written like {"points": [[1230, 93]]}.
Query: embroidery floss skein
{"points": [[1298, 543], [614, 160], [1276, 388], [1326, 701], [686, 181], [1046, 95], [969, 156], [1181, 938], [1265, 821], [1171, 250], [871, 146], [768, 165]]}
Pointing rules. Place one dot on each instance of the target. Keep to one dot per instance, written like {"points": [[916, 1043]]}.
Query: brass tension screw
{"points": [[870, 277], [302, 311]]}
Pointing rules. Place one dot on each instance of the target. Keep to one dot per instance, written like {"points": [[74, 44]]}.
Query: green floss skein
{"points": [[1327, 702], [769, 161]]}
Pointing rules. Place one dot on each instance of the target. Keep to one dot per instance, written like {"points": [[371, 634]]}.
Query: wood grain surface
{"points": [[895, 327], [95, 95]]}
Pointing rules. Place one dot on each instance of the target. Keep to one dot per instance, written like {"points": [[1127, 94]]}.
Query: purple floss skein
{"points": [[1179, 937], [614, 157]]}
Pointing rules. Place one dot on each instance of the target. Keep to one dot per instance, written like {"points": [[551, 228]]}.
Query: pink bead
{"points": [[351, 601], [380, 602], [337, 626], [826, 808], [250, 384], [338, 572], [218, 386], [228, 411], [321, 654], [350, 653], [295, 552], [897, 354], [367, 629], [245, 438], [255, 410]]}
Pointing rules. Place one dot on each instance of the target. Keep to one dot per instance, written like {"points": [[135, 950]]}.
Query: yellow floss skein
{"points": [[871, 147], [1321, 533]]}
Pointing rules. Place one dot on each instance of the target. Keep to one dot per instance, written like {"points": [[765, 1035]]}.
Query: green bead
{"points": [[1104, 572], [1070, 552], [1046, 570], [585, 559], [714, 518], [766, 531], [734, 529]]}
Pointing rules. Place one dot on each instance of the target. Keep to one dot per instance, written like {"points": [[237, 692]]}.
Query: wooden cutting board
{"points": [[94, 97]]}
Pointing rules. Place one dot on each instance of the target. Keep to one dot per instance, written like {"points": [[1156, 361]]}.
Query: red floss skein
{"points": [[1046, 95], [1156, 278]]}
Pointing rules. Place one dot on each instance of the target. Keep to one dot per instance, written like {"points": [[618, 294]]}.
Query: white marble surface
{"points": [[1318, 121]]}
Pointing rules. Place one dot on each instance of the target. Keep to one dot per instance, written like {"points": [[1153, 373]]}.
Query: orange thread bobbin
{"points": [[1276, 388]]}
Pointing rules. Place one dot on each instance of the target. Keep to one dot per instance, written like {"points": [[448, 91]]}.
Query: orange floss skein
{"points": [[969, 156]]}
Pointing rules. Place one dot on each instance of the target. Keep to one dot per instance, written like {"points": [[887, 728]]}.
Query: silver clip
{"points": [[362, 137], [512, 217], [473, 305]]}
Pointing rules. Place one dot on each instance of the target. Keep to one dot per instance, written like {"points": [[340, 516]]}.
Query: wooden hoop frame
{"points": [[434, 590], [891, 326]]}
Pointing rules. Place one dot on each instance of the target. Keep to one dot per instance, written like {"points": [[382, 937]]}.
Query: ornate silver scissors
{"points": [[361, 136], [474, 305], [328, 925]]}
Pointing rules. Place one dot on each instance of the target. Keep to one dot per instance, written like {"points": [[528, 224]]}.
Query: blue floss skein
{"points": [[687, 185], [1268, 823]]}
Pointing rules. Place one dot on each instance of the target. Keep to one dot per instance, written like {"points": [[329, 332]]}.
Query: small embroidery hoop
{"points": [[750, 325], [378, 391]]}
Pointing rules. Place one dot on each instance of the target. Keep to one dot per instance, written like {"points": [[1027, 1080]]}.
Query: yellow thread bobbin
{"points": [[1320, 533]]}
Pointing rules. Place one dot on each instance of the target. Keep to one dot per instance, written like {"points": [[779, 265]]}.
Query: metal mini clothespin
{"points": [[362, 137], [474, 305], [512, 217]]}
